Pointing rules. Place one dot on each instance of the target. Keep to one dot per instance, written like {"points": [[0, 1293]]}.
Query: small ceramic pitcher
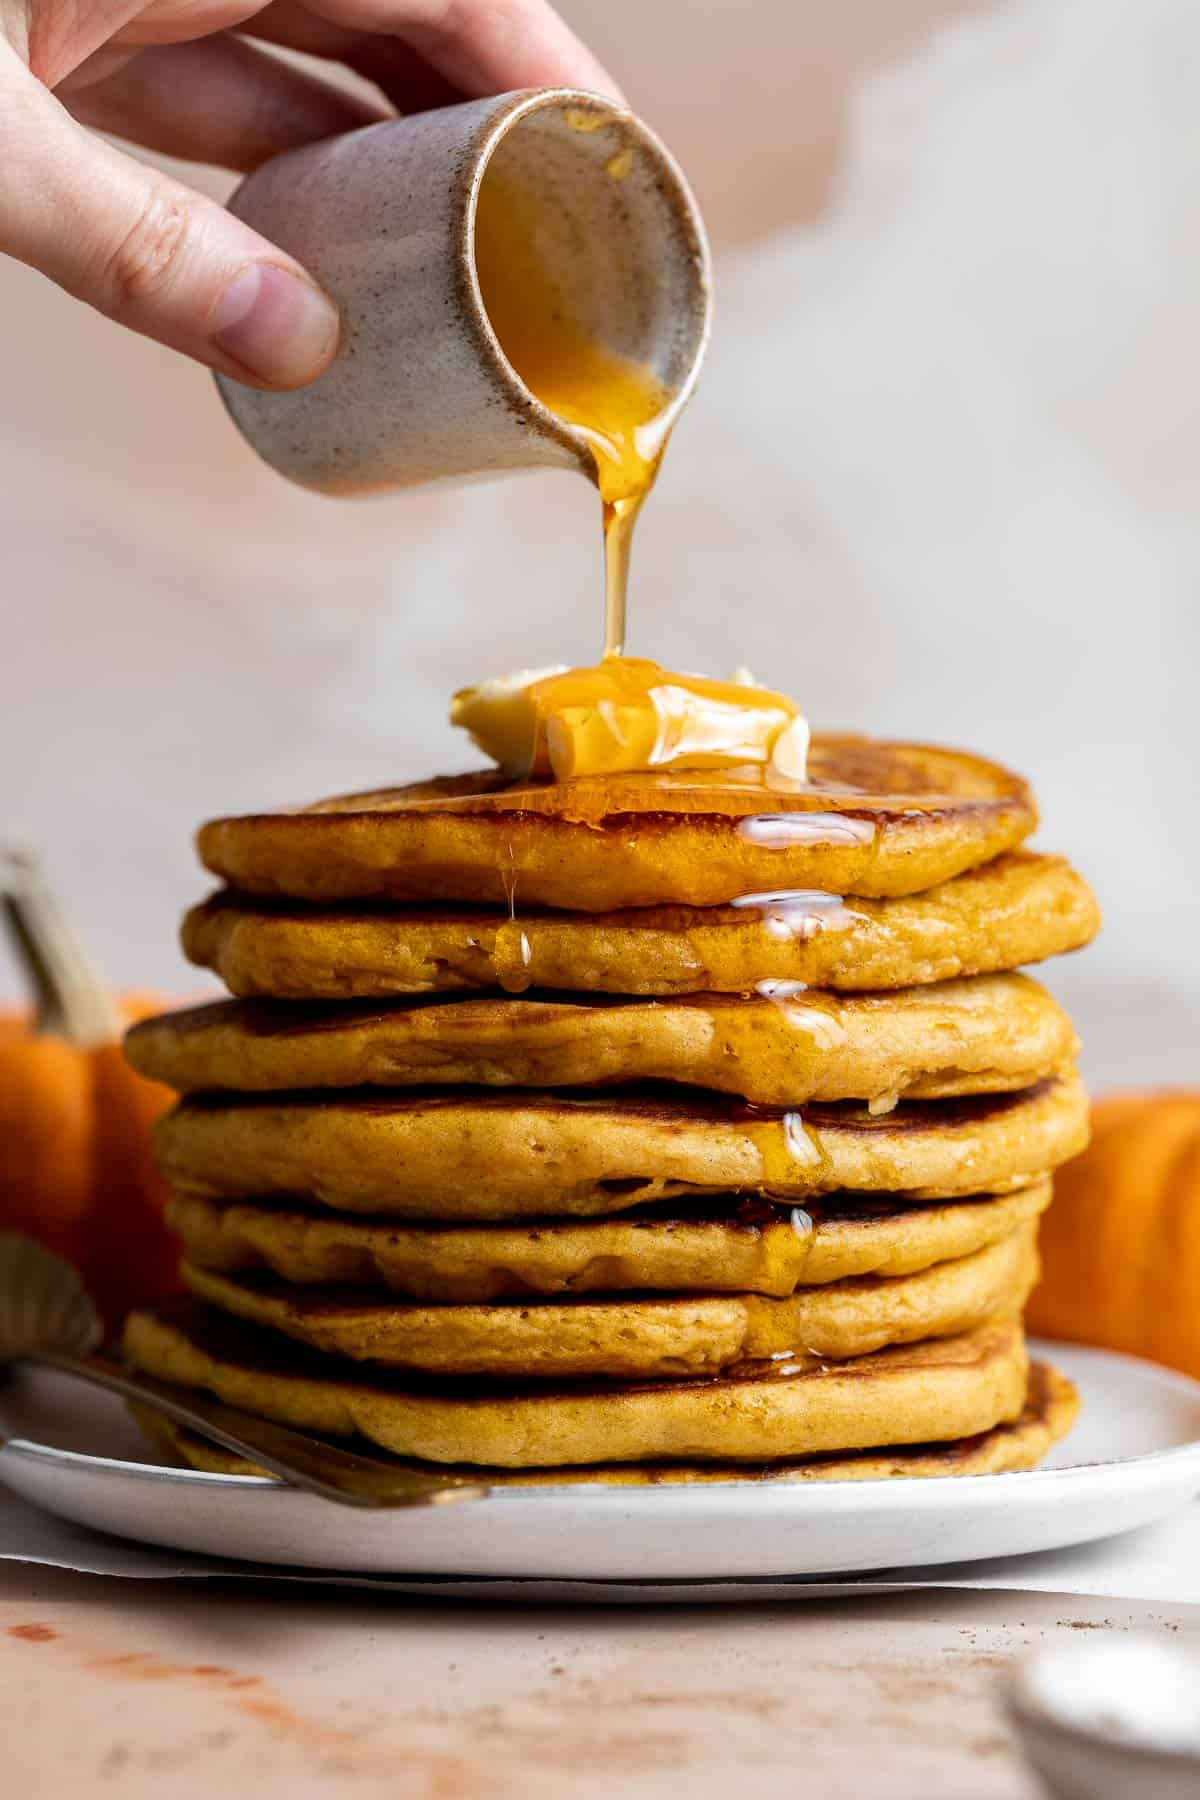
{"points": [[384, 219]]}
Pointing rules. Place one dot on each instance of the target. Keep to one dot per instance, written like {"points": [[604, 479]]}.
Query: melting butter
{"points": [[629, 715]]}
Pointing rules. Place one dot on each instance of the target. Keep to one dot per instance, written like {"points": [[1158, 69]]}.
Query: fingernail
{"points": [[278, 326]]}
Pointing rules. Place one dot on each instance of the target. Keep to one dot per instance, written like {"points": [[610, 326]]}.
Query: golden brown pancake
{"points": [[1050, 1410], [992, 1034], [875, 818], [1019, 908], [481, 1155], [934, 1391], [718, 1245], [648, 1337]]}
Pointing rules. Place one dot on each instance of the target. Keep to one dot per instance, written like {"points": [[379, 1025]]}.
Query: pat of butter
{"points": [[501, 715], [629, 715]]}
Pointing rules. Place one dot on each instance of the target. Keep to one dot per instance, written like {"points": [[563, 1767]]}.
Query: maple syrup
{"points": [[786, 831], [619, 406], [798, 913], [786, 1145], [819, 1022], [512, 953]]}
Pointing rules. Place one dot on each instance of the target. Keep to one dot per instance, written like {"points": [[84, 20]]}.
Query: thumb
{"points": [[148, 252]]}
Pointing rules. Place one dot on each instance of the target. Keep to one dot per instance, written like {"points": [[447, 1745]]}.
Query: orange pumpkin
{"points": [[75, 1164], [1120, 1246]]}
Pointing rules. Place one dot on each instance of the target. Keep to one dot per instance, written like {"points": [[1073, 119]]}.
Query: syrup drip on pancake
{"points": [[783, 1152], [512, 953], [798, 912], [820, 1023], [802, 1222], [511, 958], [788, 831]]}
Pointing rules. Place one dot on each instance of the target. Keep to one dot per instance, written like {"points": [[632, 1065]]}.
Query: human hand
{"points": [[193, 78]]}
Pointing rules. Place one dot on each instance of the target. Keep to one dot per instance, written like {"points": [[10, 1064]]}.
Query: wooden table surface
{"points": [[175, 1689]]}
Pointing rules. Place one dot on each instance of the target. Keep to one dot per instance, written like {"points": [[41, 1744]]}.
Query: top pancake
{"points": [[874, 819]]}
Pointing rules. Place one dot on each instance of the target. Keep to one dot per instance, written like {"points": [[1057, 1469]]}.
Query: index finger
{"points": [[480, 46]]}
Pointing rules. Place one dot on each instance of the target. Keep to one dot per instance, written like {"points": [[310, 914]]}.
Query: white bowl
{"points": [[1111, 1719]]}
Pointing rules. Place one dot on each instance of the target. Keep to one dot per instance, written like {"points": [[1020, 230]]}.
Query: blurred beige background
{"points": [[938, 480]]}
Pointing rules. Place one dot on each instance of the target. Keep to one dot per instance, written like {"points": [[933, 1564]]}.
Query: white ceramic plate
{"points": [[1133, 1458]]}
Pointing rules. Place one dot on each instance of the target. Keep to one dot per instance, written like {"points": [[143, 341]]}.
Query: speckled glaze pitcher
{"points": [[384, 218]]}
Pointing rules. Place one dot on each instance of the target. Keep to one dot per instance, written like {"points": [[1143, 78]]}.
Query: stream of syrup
{"points": [[620, 407], [622, 411]]}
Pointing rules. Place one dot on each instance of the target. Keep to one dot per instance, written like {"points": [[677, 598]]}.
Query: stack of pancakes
{"points": [[628, 1128]]}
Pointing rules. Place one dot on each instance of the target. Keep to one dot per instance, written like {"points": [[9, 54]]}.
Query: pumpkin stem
{"points": [[71, 1000]]}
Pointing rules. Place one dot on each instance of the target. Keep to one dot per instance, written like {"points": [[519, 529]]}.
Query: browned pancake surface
{"points": [[874, 819], [944, 1389], [636, 1335], [480, 1154], [1019, 908], [986, 1035], [1051, 1408], [710, 1244]]}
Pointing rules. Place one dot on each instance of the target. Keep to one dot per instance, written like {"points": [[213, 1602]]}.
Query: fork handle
{"points": [[303, 1461]]}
